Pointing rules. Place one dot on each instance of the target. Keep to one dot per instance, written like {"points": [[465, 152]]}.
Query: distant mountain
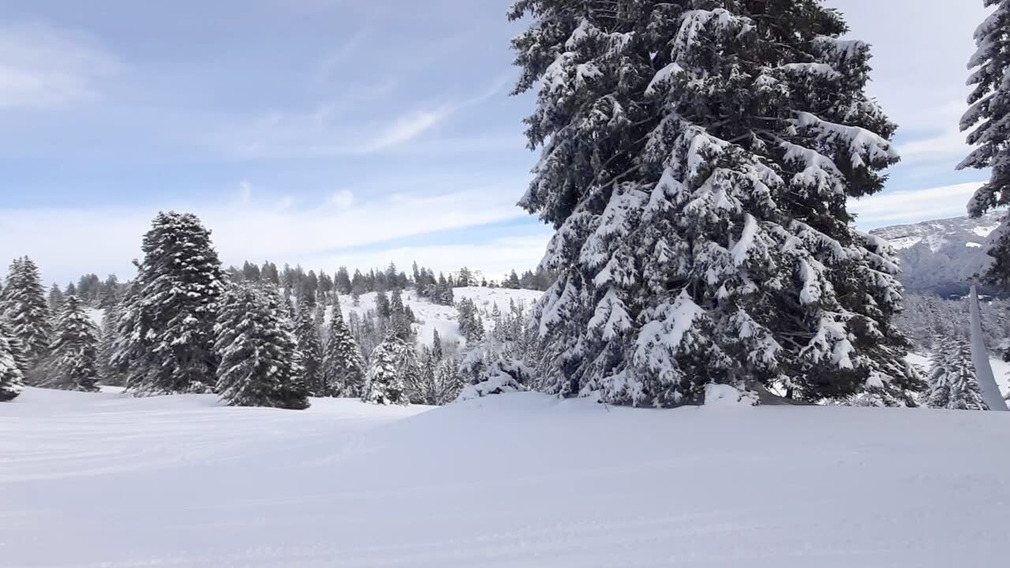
{"points": [[940, 256]]}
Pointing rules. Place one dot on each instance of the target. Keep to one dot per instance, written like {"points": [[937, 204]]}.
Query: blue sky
{"points": [[329, 132]]}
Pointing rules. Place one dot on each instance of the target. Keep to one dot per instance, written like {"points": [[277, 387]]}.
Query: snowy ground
{"points": [[518, 480]]}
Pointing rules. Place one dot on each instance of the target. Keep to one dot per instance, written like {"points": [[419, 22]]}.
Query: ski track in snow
{"points": [[103, 480]]}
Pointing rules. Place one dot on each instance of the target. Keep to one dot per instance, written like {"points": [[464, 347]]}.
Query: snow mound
{"points": [[725, 396]]}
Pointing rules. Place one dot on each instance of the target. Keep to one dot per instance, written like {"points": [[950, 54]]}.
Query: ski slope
{"points": [[102, 480]]}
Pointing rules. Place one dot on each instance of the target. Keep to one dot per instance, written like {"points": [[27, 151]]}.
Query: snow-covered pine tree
{"points": [[311, 348], [166, 335], [438, 380], [382, 306], [343, 367], [952, 381], [697, 158], [108, 372], [436, 346], [11, 378], [392, 369], [56, 298], [258, 351], [987, 119], [399, 325], [24, 307], [73, 363]]}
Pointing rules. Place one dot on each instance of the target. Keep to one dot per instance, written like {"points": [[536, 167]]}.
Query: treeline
{"points": [[312, 284], [256, 337]]}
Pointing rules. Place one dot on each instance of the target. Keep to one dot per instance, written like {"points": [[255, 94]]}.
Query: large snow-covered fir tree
{"points": [[166, 331], [343, 367], [311, 348], [24, 307], [392, 369], [952, 382], [697, 157], [258, 350], [11, 378], [73, 363], [987, 118]]}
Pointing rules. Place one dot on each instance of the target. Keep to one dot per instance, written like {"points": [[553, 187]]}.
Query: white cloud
{"points": [[404, 129], [343, 199], [900, 207], [327, 130], [44, 67], [67, 243], [245, 192]]}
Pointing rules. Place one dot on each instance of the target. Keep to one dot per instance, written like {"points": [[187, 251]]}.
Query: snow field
{"points": [[102, 480]]}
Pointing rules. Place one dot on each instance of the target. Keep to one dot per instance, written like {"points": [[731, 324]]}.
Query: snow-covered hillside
{"points": [[443, 318], [430, 316], [941, 255], [516, 480]]}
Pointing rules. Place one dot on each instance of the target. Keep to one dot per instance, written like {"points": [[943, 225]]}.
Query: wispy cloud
{"points": [[404, 129], [256, 225], [329, 64], [909, 206], [335, 128], [45, 67]]}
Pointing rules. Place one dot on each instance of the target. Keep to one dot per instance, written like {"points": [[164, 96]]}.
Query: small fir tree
{"points": [[343, 367], [11, 378], [258, 352], [952, 382], [24, 307], [311, 348], [74, 351], [391, 369]]}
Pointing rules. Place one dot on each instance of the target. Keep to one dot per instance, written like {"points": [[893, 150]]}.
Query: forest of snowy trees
{"points": [[698, 158], [185, 324]]}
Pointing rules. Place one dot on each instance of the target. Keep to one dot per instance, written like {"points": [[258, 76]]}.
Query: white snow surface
{"points": [[103, 480]]}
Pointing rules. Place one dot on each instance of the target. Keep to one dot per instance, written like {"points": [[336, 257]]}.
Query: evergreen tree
{"points": [[108, 372], [343, 367], [74, 351], [512, 281], [110, 292], [697, 161], [11, 378], [166, 332], [269, 274], [56, 298], [987, 118], [260, 362], [24, 307], [382, 306], [391, 369], [399, 324], [438, 381], [952, 382], [311, 348], [470, 324], [436, 346]]}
